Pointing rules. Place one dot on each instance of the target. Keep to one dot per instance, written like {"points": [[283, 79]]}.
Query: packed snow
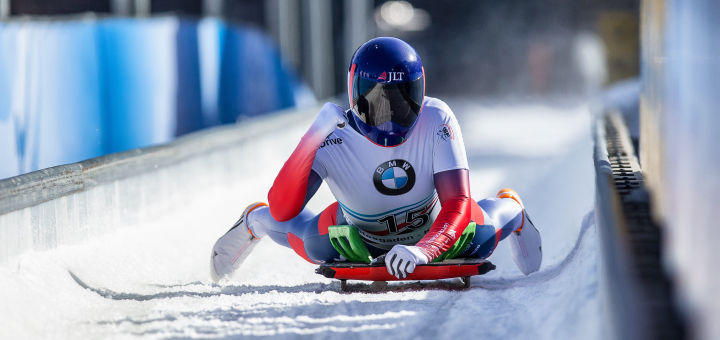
{"points": [[152, 280]]}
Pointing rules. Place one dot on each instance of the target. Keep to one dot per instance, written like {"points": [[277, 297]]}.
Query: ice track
{"points": [[492, 284], [152, 280]]}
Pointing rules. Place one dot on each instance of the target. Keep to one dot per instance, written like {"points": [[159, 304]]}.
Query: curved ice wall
{"points": [[73, 90]]}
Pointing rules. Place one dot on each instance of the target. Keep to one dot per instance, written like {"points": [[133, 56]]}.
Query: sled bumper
{"points": [[432, 271]]}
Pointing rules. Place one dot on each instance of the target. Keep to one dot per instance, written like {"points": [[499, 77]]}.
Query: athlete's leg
{"points": [[496, 218], [506, 216], [525, 242], [233, 247], [307, 233]]}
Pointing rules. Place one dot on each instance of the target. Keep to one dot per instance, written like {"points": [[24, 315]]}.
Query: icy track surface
{"points": [[152, 280]]}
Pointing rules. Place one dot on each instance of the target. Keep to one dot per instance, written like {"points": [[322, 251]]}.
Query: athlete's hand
{"points": [[401, 260], [331, 116]]}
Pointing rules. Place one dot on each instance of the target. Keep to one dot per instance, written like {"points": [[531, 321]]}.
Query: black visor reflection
{"points": [[378, 103]]}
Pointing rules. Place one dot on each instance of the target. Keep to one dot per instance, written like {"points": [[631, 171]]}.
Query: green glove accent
{"points": [[460, 244], [346, 240]]}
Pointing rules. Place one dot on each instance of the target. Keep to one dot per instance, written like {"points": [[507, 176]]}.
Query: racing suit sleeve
{"points": [[294, 183], [452, 182], [314, 182], [453, 188]]}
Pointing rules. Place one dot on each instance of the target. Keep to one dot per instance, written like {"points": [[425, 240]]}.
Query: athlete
{"points": [[396, 164]]}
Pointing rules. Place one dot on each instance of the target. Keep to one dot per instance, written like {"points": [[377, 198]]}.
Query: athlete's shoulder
{"points": [[437, 109]]}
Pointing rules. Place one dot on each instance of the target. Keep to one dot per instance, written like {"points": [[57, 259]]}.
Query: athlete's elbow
{"points": [[278, 208], [462, 199], [464, 202]]}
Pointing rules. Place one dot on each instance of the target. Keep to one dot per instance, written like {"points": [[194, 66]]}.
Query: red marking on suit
{"points": [[476, 214], [298, 246], [453, 189], [327, 218], [287, 195], [350, 84]]}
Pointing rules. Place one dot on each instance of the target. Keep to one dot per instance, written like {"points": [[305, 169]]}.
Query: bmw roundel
{"points": [[395, 177]]}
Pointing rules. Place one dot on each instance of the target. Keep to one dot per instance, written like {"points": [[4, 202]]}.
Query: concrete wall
{"points": [[69, 204]]}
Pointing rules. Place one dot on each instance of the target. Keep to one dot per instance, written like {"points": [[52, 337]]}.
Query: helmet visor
{"points": [[378, 103]]}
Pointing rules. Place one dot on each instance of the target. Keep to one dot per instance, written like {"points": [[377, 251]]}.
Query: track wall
{"points": [[79, 88], [72, 203], [679, 147]]}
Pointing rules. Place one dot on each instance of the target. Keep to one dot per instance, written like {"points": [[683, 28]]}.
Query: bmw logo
{"points": [[394, 178]]}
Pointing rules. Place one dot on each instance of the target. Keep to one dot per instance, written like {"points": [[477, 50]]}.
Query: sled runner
{"points": [[376, 271]]}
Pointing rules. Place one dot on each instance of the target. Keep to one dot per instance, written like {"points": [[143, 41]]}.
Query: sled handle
{"points": [[347, 241]]}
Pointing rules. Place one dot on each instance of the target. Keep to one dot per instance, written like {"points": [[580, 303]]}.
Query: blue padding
{"points": [[50, 98], [252, 80], [9, 69], [189, 104], [139, 75], [73, 90]]}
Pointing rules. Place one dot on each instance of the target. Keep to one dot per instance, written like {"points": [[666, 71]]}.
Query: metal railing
{"points": [[635, 292]]}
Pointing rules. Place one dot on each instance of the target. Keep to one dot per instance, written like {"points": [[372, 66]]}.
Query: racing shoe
{"points": [[525, 242], [232, 248]]}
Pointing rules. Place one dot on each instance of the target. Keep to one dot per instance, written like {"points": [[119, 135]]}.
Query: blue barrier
{"points": [[9, 150], [139, 75], [189, 99], [251, 84], [73, 90], [50, 101]]}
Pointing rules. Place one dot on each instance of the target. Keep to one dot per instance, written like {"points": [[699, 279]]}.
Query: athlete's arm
{"points": [[314, 182], [289, 192], [453, 187]]}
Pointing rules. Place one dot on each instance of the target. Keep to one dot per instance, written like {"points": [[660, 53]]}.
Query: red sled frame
{"points": [[462, 268]]}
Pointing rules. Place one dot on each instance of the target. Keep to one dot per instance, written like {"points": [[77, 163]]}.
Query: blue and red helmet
{"points": [[386, 88]]}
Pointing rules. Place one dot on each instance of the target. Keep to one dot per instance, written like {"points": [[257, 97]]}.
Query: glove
{"points": [[401, 260], [329, 118]]}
